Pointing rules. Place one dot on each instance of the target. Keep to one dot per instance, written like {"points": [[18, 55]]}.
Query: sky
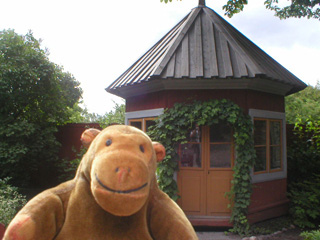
{"points": [[98, 40]]}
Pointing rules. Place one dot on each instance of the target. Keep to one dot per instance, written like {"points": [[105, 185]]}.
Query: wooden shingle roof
{"points": [[204, 51]]}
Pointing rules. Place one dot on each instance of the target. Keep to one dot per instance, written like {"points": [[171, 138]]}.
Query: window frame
{"points": [[140, 120], [143, 116], [143, 122], [270, 176], [268, 146]]}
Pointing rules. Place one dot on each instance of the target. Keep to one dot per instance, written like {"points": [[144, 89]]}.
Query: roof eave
{"points": [[257, 83]]}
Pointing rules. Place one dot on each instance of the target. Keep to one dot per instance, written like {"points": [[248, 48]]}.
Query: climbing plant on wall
{"points": [[171, 130]]}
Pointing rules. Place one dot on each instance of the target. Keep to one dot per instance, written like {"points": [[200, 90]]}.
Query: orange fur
{"points": [[114, 195]]}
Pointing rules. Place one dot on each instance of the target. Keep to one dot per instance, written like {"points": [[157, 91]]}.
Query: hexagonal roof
{"points": [[203, 51]]}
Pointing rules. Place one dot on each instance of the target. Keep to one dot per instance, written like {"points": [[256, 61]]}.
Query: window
{"points": [[148, 122], [142, 123], [190, 152], [268, 145], [136, 123], [208, 147], [221, 146]]}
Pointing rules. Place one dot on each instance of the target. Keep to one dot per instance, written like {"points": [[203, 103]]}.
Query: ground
{"points": [[291, 234], [275, 229]]}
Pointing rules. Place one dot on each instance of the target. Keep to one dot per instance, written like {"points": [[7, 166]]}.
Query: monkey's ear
{"points": [[88, 136], [160, 151]]}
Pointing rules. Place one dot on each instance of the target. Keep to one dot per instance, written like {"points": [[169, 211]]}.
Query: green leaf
{"points": [[173, 126]]}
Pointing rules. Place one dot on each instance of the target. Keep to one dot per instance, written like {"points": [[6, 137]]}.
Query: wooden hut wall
{"points": [[246, 99], [268, 200]]}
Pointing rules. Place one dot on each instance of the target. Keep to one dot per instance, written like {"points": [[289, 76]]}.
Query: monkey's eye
{"points": [[108, 142], [141, 148]]}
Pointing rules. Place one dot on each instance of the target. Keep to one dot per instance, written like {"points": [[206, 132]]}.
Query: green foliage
{"points": [[68, 168], [171, 129], [35, 95], [166, 1], [117, 115], [311, 235], [10, 201], [304, 150], [77, 114], [305, 202], [304, 173], [304, 104], [234, 6], [297, 8]]}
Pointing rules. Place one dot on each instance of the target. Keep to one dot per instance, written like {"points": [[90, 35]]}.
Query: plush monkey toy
{"points": [[114, 195]]}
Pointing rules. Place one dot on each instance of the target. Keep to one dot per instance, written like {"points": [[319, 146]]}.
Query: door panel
{"points": [[219, 182], [192, 191]]}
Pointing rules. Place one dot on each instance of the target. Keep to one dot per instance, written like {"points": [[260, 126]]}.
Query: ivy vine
{"points": [[171, 129]]}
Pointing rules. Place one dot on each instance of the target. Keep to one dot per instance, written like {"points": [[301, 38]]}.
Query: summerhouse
{"points": [[203, 57]]}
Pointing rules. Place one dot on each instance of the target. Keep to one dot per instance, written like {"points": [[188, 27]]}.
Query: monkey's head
{"points": [[120, 163]]}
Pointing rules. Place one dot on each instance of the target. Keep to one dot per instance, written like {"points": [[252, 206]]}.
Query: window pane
{"points": [[275, 157], [220, 133], [275, 132], [261, 159], [220, 155], [260, 128], [195, 134], [149, 123], [190, 155], [136, 124]]}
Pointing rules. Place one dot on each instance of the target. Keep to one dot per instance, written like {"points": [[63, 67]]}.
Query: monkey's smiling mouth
{"points": [[120, 191]]}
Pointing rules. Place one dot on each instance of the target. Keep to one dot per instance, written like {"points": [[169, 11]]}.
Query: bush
{"points": [[304, 173], [68, 168], [304, 151], [305, 202], [10, 201], [311, 235]]}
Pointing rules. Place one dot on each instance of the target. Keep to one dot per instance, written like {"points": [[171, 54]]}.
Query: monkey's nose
{"points": [[122, 173]]}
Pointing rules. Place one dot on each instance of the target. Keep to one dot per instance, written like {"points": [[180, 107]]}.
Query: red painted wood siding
{"points": [[246, 99], [268, 192], [2, 230], [268, 199]]}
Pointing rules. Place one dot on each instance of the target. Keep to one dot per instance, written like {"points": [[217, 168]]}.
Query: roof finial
{"points": [[202, 2]]}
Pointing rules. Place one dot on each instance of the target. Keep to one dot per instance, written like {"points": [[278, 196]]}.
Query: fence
{"points": [[69, 137]]}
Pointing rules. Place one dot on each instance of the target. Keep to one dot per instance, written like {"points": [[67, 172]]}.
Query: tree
{"points": [[304, 173], [117, 115], [304, 104], [297, 8], [36, 96]]}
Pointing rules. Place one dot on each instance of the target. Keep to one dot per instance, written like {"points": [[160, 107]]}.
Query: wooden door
{"points": [[206, 171], [191, 178]]}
